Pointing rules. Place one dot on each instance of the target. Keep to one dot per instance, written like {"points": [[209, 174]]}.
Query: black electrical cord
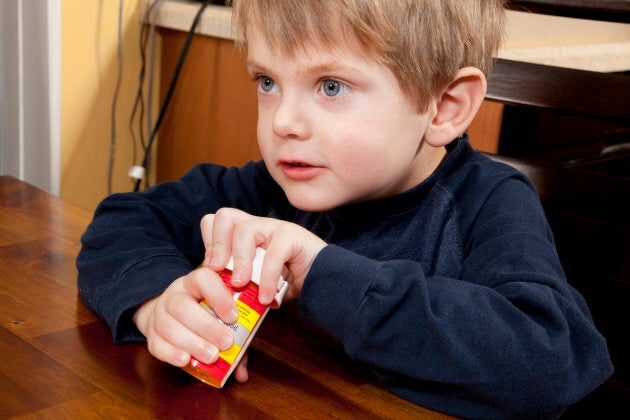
{"points": [[138, 105], [150, 72], [139, 102], [171, 88]]}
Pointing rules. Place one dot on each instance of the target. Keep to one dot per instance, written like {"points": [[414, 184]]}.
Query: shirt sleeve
{"points": [[138, 243], [506, 337]]}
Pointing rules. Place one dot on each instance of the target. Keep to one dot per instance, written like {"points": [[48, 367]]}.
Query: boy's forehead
{"points": [[337, 42], [264, 52]]}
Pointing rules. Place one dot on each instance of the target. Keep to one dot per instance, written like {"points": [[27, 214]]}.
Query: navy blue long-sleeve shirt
{"points": [[452, 291]]}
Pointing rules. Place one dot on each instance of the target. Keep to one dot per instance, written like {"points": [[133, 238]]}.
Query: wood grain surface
{"points": [[59, 361]]}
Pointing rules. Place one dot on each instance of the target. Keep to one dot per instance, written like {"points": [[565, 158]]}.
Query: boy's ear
{"points": [[455, 109]]}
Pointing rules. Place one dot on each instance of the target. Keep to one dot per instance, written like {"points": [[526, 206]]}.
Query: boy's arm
{"points": [[509, 337], [139, 243]]}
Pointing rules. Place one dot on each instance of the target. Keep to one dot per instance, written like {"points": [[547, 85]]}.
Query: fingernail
{"points": [[265, 298], [231, 317], [212, 261], [210, 353], [226, 341], [182, 358], [237, 278]]}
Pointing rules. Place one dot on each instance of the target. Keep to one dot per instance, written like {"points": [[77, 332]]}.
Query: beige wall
{"points": [[88, 72]]}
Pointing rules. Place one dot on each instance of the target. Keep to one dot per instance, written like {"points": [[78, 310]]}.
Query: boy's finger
{"points": [[244, 243], [175, 345], [272, 269], [240, 373], [205, 284], [205, 226], [199, 331], [166, 352], [216, 246], [220, 245]]}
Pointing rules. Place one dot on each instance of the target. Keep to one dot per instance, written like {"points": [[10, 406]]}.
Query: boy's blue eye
{"points": [[333, 87], [267, 84]]}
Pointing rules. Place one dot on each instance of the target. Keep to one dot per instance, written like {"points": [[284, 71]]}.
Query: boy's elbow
{"points": [[549, 388]]}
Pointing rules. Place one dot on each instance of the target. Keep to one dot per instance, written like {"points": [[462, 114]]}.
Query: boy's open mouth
{"points": [[299, 171]]}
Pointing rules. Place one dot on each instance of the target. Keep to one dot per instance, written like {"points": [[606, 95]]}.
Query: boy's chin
{"points": [[310, 204]]}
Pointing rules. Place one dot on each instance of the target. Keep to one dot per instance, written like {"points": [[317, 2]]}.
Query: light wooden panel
{"points": [[485, 129], [212, 114]]}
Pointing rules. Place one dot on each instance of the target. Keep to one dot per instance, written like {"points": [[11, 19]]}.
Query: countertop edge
{"points": [[216, 22], [601, 57]]}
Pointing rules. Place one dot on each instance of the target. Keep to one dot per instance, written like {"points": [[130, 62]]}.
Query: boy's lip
{"points": [[299, 170]]}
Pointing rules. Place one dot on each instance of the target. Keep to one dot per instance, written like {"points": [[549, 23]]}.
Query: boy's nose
{"points": [[290, 119]]}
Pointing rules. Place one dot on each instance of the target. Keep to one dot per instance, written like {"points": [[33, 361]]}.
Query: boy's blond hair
{"points": [[424, 42]]}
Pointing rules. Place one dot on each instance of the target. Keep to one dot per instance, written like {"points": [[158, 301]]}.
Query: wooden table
{"points": [[58, 359]]}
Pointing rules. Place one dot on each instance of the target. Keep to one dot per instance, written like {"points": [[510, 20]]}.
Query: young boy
{"points": [[429, 262]]}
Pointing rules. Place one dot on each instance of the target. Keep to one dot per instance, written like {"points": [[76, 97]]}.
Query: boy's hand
{"points": [[236, 233], [176, 326]]}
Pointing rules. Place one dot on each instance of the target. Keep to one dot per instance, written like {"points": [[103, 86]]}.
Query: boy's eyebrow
{"points": [[325, 67], [249, 63]]}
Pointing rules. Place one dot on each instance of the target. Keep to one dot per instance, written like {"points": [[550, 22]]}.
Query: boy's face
{"points": [[334, 126]]}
